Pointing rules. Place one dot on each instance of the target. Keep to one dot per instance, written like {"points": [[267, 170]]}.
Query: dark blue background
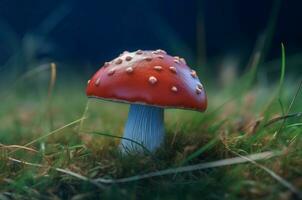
{"points": [[95, 31]]}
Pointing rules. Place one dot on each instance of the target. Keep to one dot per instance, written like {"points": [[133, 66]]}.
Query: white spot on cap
{"points": [[158, 68], [124, 52], [148, 58], [128, 58], [111, 72], [176, 61], [106, 64], [198, 91], [159, 51], [97, 82], [152, 80], [160, 56], [118, 61], [162, 51], [173, 69], [193, 74], [129, 70], [183, 61], [88, 81], [174, 89], [199, 85], [139, 52]]}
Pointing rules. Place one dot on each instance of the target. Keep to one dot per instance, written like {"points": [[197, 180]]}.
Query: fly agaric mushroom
{"points": [[150, 81]]}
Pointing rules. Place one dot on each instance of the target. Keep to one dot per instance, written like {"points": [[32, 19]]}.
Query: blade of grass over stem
{"points": [[120, 137]]}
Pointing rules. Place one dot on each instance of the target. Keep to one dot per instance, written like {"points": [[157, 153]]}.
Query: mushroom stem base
{"points": [[145, 125]]}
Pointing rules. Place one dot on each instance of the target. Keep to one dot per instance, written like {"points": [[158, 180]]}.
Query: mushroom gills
{"points": [[145, 125]]}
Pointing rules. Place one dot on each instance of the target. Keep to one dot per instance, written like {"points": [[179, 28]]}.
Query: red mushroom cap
{"points": [[149, 78]]}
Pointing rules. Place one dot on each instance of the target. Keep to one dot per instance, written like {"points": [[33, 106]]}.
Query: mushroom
{"points": [[150, 82]]}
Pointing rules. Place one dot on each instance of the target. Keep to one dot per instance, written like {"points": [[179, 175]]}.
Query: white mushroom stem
{"points": [[145, 125]]}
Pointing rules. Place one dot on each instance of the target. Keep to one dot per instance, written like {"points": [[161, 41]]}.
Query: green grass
{"points": [[64, 155]]}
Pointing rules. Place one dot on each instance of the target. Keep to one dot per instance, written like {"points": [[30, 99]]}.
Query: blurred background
{"points": [[217, 37]]}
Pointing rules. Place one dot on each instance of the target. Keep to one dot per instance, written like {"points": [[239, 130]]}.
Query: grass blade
{"points": [[190, 168], [200, 151], [50, 133]]}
